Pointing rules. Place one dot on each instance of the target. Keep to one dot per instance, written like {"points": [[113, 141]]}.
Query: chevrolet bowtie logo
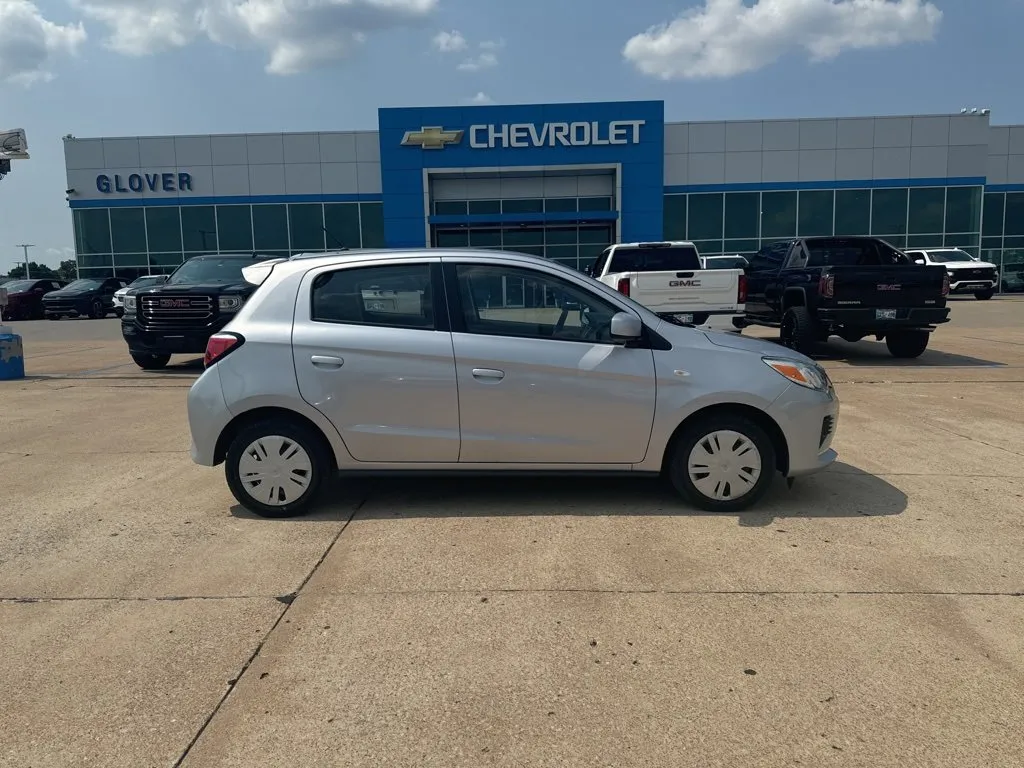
{"points": [[431, 137]]}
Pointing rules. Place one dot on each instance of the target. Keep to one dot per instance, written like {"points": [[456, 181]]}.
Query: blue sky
{"points": [[150, 67]]}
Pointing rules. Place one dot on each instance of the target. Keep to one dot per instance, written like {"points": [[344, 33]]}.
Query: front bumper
{"points": [[808, 420], [867, 318], [68, 306], [971, 286], [170, 341]]}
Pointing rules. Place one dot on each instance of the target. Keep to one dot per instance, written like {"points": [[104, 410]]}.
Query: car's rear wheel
{"points": [[722, 463], [985, 295], [907, 344], [54, 317], [96, 310], [799, 331], [151, 362], [275, 468]]}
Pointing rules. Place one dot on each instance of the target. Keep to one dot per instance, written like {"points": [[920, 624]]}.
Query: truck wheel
{"points": [[985, 295], [96, 310], [53, 317], [151, 362], [722, 463], [275, 468], [799, 331], [907, 344]]}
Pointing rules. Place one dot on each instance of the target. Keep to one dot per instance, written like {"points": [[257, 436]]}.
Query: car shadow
{"points": [[184, 367], [875, 354], [842, 491]]}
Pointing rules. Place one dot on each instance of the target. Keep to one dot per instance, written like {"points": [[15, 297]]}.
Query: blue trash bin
{"points": [[12, 356]]}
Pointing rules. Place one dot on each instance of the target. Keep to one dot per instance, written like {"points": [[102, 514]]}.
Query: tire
{"points": [[907, 344], [96, 310], [53, 317], [715, 432], [984, 295], [301, 472], [150, 362], [799, 331]]}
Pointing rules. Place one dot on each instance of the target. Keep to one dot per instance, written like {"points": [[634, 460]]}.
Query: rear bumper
{"points": [[208, 415], [189, 341], [867, 318], [717, 319]]}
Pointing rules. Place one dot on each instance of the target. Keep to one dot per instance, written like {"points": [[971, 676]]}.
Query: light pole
{"points": [[24, 247]]}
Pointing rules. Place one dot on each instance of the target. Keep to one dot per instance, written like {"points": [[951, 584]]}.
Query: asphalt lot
{"points": [[871, 616]]}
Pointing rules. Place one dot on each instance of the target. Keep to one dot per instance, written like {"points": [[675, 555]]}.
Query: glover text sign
{"points": [[139, 182]]}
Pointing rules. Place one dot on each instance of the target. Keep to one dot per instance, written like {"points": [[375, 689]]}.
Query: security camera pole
{"points": [[24, 247]]}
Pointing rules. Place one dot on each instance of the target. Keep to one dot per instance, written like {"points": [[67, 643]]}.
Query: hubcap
{"points": [[275, 470], [724, 465]]}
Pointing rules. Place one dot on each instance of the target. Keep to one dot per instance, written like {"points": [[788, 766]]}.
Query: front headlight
{"points": [[229, 303], [129, 303], [806, 375]]}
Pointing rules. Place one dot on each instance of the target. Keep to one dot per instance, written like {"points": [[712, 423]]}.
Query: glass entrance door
{"points": [[571, 244]]}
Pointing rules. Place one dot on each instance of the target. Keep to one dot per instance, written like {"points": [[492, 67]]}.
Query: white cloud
{"points": [[29, 42], [728, 37], [449, 42], [481, 98], [296, 34], [484, 60]]}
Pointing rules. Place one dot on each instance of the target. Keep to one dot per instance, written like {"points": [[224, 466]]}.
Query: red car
{"points": [[25, 298]]}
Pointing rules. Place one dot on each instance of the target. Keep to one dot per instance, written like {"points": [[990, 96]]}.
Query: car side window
{"points": [[598, 267], [513, 301], [396, 296]]}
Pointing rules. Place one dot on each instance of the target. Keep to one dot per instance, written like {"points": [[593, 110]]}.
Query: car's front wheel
{"points": [[985, 295], [722, 463], [275, 468], [151, 362], [96, 310]]}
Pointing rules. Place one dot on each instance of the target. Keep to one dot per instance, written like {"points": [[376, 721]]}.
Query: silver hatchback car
{"points": [[423, 361]]}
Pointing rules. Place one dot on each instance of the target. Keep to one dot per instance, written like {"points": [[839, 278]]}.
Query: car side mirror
{"points": [[626, 326]]}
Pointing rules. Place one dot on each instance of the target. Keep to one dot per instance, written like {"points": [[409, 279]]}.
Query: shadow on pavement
{"points": [[874, 354], [841, 492]]}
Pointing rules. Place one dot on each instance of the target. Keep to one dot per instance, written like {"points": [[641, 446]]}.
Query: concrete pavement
{"points": [[869, 617]]}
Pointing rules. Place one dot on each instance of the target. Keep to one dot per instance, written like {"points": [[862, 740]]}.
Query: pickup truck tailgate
{"points": [[707, 290], [888, 286]]}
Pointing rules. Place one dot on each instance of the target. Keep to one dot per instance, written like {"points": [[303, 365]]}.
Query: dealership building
{"points": [[557, 180]]}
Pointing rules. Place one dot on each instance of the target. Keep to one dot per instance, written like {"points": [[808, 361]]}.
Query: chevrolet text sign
{"points": [[522, 135]]}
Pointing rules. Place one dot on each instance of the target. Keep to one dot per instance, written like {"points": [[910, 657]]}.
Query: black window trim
{"points": [[442, 320], [458, 318]]}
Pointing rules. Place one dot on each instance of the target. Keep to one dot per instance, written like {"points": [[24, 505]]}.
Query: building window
{"points": [[372, 217], [306, 227], [270, 228], [528, 205], [130, 260], [889, 212], [992, 219], [199, 228], [485, 238], [742, 211], [484, 207], [704, 219], [709, 247], [163, 228], [595, 203], [159, 261], [96, 260], [853, 212], [816, 211], [128, 230], [452, 238], [963, 209], [674, 224], [560, 205], [341, 222], [1014, 214], [741, 246], [778, 214], [234, 228], [450, 208], [927, 210], [92, 231]]}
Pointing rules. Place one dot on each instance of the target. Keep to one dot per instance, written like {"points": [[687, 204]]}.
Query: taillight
{"points": [[623, 287], [827, 286], [219, 345], [945, 284], [741, 292]]}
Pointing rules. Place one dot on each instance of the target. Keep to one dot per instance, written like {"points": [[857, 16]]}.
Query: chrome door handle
{"points": [[326, 361], [488, 374]]}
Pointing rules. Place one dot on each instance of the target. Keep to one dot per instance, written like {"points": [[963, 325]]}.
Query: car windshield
{"points": [[17, 286], [664, 258], [142, 282], [735, 262], [209, 270], [945, 257], [83, 285]]}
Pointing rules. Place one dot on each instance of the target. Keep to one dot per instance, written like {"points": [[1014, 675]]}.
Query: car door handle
{"points": [[488, 374], [325, 361]]}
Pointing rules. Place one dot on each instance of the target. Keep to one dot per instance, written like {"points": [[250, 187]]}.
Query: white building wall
{"points": [[246, 165], [1006, 154], [843, 149]]}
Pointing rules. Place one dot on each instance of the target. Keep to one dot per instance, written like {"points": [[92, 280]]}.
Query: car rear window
{"points": [[672, 258]]}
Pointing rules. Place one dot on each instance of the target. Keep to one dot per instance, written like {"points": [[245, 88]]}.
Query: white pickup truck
{"points": [[668, 278]]}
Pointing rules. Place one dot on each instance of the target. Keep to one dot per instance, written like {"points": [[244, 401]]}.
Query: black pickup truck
{"points": [[179, 316], [852, 287]]}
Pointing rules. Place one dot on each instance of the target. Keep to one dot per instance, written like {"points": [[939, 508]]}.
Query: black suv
{"points": [[92, 297], [178, 317]]}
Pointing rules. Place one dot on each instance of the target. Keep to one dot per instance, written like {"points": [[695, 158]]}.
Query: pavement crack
{"points": [[288, 601], [107, 599], [972, 439], [688, 592]]}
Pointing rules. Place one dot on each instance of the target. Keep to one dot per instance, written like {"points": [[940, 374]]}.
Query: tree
{"points": [[68, 270], [36, 271]]}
